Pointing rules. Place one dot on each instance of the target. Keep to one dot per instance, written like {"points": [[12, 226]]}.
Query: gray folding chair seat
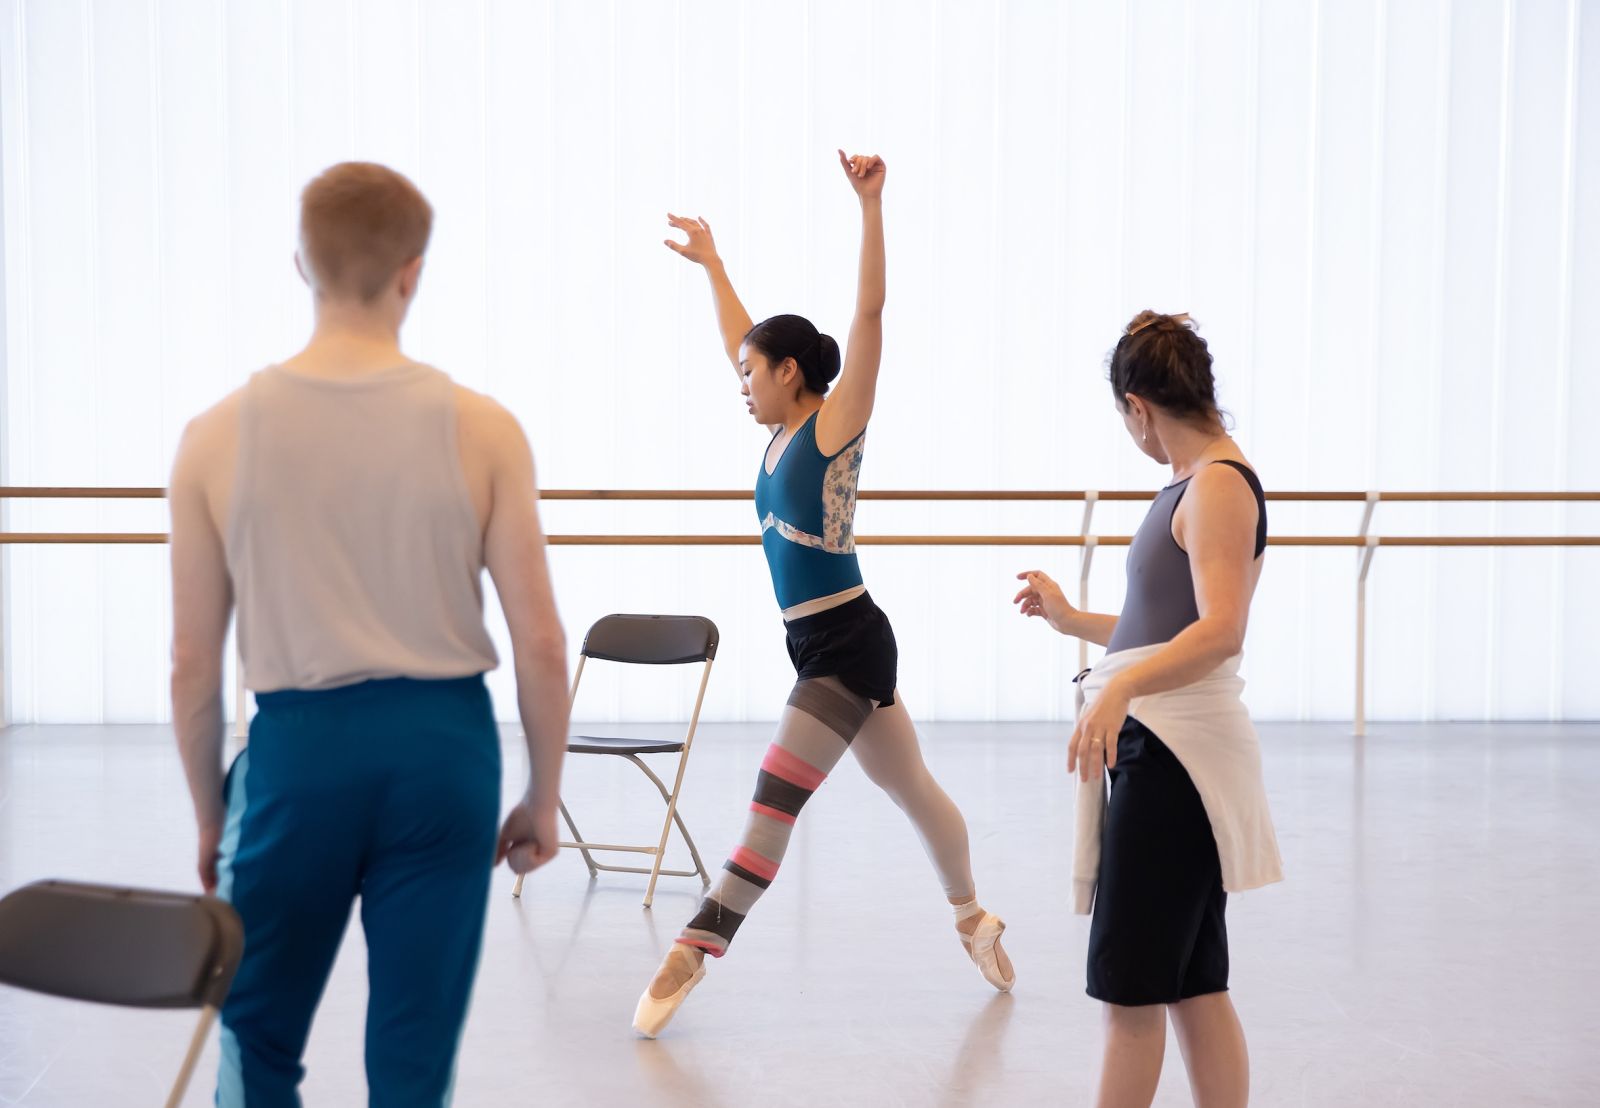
{"points": [[596, 744], [646, 640], [133, 947]]}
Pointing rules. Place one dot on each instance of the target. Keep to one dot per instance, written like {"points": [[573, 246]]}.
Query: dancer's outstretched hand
{"points": [[866, 173], [528, 838], [701, 248], [1043, 597]]}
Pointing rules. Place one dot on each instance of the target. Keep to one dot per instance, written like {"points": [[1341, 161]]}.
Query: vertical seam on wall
{"points": [[1119, 265], [25, 291], [290, 199], [1123, 146], [486, 120], [1058, 299], [935, 137], [1253, 189], [1186, 170], [996, 255], [230, 368], [741, 226], [419, 317], [1563, 389], [1375, 244], [5, 419], [157, 99], [612, 558], [352, 72], [1441, 208], [1498, 349], [1375, 197], [806, 125], [1313, 136], [92, 272]]}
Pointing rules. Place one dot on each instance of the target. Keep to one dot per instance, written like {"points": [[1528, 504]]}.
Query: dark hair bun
{"points": [[829, 361], [1162, 359], [794, 336]]}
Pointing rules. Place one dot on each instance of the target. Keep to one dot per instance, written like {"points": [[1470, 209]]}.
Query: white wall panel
{"points": [[1383, 213]]}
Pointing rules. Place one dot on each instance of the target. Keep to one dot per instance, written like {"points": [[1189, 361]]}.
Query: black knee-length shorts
{"points": [[1158, 934]]}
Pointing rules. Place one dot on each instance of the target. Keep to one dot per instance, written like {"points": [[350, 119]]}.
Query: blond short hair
{"points": [[359, 223]]}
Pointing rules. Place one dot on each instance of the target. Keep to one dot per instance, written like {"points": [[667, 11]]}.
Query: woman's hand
{"points": [[701, 248], [1094, 739], [866, 173], [1043, 597]]}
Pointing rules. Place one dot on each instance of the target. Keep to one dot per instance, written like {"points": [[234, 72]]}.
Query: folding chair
{"points": [[649, 641], [132, 947]]}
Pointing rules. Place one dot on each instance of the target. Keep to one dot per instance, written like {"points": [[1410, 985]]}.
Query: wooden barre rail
{"points": [[1365, 543], [29, 492], [90, 538]]}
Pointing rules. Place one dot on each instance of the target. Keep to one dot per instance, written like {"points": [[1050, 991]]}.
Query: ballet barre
{"points": [[1364, 542]]}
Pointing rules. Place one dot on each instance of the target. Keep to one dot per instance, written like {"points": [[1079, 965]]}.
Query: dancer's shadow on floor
{"points": [[671, 1082], [597, 890], [977, 1062]]}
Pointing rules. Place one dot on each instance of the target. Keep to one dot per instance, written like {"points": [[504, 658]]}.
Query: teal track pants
{"points": [[387, 792]]}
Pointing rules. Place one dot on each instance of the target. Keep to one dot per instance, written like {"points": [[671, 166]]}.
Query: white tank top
{"points": [[352, 542]]}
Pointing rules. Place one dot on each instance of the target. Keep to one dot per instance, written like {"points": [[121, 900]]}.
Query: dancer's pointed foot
{"points": [[980, 934], [681, 970]]}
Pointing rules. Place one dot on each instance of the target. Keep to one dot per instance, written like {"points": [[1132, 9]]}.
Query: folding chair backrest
{"points": [[652, 640], [132, 947]]}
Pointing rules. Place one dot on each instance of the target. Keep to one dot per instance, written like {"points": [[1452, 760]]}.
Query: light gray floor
{"points": [[1435, 943]]}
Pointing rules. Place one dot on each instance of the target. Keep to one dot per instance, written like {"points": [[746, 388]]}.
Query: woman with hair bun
{"points": [[840, 642], [1186, 822]]}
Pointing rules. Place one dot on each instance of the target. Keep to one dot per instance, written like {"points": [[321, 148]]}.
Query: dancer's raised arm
{"points": [[849, 406], [733, 322]]}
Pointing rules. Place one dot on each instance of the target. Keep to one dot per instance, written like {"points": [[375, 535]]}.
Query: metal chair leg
{"points": [[208, 1016], [572, 698], [588, 859], [673, 816], [676, 817], [677, 787]]}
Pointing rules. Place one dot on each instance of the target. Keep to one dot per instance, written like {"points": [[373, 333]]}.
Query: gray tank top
{"points": [[352, 542], [1160, 600]]}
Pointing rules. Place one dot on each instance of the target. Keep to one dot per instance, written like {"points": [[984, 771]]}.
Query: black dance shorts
{"points": [[852, 642], [1158, 935]]}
